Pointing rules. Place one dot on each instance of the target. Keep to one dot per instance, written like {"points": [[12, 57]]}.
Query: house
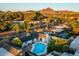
{"points": [[75, 43], [43, 37]]}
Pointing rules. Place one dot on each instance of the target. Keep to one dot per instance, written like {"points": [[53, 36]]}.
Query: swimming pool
{"points": [[39, 48]]}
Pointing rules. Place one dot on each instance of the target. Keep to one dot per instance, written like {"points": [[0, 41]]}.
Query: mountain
{"points": [[51, 12]]}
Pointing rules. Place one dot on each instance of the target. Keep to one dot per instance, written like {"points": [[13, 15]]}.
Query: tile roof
{"points": [[43, 35]]}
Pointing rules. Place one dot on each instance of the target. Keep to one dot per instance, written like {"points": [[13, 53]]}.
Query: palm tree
{"points": [[17, 41]]}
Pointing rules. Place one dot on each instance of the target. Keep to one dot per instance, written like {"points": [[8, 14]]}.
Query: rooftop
{"points": [[42, 35]]}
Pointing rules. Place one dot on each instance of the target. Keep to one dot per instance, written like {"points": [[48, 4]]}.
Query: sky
{"points": [[38, 6]]}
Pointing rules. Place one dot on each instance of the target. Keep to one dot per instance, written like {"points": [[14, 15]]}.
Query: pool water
{"points": [[39, 48]]}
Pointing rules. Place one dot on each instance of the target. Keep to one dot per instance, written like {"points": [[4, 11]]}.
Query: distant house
{"points": [[75, 43], [15, 22], [38, 30], [34, 22], [4, 52]]}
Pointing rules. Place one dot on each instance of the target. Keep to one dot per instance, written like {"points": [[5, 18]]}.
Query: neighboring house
{"points": [[4, 52], [75, 43]]}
